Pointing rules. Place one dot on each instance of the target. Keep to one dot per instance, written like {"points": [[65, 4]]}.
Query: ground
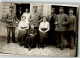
{"points": [[15, 49]]}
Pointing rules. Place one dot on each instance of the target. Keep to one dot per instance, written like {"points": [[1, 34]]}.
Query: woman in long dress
{"points": [[44, 27], [23, 26]]}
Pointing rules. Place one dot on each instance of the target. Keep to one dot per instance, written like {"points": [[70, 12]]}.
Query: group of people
{"points": [[55, 24]]}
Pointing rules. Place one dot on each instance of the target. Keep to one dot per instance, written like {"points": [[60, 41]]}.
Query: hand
{"points": [[32, 35], [56, 23], [64, 23]]}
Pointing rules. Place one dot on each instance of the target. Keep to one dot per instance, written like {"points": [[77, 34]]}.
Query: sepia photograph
{"points": [[39, 29]]}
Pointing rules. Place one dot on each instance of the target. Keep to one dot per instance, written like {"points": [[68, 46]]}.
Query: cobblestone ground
{"points": [[15, 49]]}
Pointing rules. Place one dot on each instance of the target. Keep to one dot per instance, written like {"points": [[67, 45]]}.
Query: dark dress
{"points": [[21, 36]]}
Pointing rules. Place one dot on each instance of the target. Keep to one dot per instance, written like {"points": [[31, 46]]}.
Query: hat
{"points": [[61, 8], [71, 9]]}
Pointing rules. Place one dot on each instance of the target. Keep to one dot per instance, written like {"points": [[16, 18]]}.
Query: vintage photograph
{"points": [[39, 29]]}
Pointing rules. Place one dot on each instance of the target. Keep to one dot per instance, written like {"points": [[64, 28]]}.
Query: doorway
{"points": [[20, 9]]}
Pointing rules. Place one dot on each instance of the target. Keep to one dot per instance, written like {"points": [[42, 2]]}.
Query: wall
{"points": [[5, 8]]}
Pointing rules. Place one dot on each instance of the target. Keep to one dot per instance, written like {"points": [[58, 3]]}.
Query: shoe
{"points": [[29, 48], [8, 42], [68, 46], [42, 47], [26, 46], [14, 41], [39, 47], [57, 46], [71, 47], [61, 48]]}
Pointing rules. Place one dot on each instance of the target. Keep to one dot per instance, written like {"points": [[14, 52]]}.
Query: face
{"points": [[70, 11], [44, 19], [27, 10], [61, 10], [32, 26], [52, 10], [11, 9]]}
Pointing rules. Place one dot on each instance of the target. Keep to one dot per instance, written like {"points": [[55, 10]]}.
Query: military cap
{"points": [[71, 9], [61, 8]]}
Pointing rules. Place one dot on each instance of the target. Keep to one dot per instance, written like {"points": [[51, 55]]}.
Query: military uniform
{"points": [[11, 24], [62, 22], [72, 30], [36, 25]]}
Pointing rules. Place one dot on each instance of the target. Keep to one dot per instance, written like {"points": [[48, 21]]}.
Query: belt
{"points": [[43, 29]]}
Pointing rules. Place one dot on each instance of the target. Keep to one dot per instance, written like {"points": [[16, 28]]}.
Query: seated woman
{"points": [[43, 29], [23, 28], [30, 40]]}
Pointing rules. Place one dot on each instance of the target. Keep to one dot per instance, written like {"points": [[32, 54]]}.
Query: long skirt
{"points": [[43, 36], [21, 36]]}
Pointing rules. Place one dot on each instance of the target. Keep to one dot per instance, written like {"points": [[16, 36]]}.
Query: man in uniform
{"points": [[72, 28], [11, 24], [63, 21]]}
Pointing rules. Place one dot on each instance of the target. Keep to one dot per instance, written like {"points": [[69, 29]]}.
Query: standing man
{"points": [[19, 13], [63, 20], [11, 24], [52, 20], [72, 28], [36, 26]]}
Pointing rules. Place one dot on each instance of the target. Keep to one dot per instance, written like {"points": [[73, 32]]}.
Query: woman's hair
{"points": [[27, 9], [45, 17]]}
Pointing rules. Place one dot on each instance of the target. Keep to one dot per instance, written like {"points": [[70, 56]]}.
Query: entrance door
{"points": [[20, 9]]}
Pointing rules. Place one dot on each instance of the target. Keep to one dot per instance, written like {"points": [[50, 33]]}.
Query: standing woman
{"points": [[43, 30], [27, 15]]}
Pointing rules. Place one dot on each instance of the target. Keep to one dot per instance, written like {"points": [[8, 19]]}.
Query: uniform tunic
{"points": [[72, 30], [11, 20], [63, 20], [11, 24], [72, 26]]}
